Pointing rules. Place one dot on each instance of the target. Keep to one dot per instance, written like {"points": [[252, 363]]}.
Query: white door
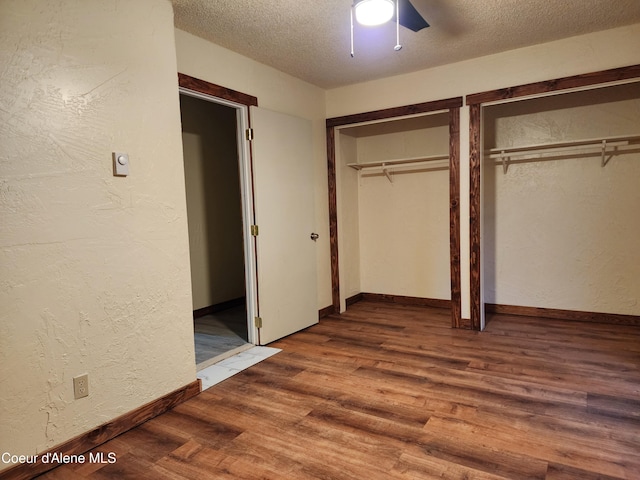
{"points": [[284, 213]]}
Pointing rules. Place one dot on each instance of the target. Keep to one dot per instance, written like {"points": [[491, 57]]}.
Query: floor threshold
{"points": [[229, 366]]}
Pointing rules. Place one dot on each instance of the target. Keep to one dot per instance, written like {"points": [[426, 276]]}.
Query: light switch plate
{"points": [[120, 164]]}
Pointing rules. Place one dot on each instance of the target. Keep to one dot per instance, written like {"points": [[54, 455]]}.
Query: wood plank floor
{"points": [[392, 392]]}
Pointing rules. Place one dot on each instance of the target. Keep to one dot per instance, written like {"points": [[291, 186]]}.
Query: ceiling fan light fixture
{"points": [[374, 12]]}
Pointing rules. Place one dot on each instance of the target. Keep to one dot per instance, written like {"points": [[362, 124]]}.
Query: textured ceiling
{"points": [[309, 39]]}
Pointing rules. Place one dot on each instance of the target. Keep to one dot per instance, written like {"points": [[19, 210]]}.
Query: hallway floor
{"points": [[220, 335]]}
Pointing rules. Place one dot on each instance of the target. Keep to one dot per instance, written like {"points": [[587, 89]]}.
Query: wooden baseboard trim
{"points": [[355, 299], [105, 432], [402, 300], [218, 307], [573, 315], [326, 311]]}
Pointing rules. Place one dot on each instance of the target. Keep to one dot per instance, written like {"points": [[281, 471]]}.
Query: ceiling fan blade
{"points": [[410, 17]]}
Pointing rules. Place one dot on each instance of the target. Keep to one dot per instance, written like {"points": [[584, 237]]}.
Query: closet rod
{"points": [[558, 146], [608, 147], [397, 162]]}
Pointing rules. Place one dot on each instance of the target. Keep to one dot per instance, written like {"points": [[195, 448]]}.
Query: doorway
{"points": [[215, 212], [276, 172]]}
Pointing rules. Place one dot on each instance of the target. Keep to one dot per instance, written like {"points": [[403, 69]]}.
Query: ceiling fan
{"points": [[377, 12], [410, 17]]}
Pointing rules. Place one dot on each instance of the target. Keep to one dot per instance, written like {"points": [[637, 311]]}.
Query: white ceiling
{"points": [[309, 39]]}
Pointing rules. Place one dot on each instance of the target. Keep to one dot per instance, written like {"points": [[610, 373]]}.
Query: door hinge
{"points": [[254, 230], [258, 322], [249, 133]]}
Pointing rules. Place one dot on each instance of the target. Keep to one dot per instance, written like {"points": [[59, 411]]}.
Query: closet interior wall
{"points": [[213, 196], [560, 229], [394, 226]]}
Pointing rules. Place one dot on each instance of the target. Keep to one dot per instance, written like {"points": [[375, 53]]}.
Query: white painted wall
{"points": [[564, 233], [95, 269], [275, 91], [572, 56]]}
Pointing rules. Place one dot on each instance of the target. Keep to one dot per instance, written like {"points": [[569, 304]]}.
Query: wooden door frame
{"points": [[475, 102], [235, 99], [452, 105], [202, 86]]}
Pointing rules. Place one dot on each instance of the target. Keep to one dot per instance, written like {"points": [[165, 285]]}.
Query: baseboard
{"points": [[355, 299], [326, 311], [573, 315], [403, 300], [201, 312], [105, 432], [465, 324], [218, 307]]}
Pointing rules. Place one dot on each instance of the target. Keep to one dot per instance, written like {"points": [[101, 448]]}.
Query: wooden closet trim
{"points": [[453, 106], [454, 216], [474, 214], [333, 218], [475, 101], [402, 111], [538, 88]]}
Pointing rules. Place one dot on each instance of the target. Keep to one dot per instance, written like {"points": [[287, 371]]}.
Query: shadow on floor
{"points": [[220, 334]]}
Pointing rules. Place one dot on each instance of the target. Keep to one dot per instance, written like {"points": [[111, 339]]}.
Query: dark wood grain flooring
{"points": [[392, 392]]}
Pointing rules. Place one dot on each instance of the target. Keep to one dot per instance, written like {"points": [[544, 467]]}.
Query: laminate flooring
{"points": [[392, 392], [220, 335]]}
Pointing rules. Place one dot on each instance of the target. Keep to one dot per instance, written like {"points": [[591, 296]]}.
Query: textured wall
{"points": [[95, 269], [564, 233], [213, 201]]}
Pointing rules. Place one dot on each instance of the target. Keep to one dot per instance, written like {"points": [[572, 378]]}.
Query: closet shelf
{"points": [[397, 162], [604, 146]]}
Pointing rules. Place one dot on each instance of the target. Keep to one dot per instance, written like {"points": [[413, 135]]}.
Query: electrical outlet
{"points": [[81, 386]]}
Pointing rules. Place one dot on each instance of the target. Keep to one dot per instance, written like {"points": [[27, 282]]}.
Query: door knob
{"points": [[314, 236]]}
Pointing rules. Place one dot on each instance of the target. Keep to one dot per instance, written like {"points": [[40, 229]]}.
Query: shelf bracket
{"points": [[605, 160], [386, 173], [505, 163]]}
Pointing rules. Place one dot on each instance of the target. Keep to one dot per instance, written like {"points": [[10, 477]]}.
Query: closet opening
{"points": [[559, 202], [394, 199], [216, 206]]}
